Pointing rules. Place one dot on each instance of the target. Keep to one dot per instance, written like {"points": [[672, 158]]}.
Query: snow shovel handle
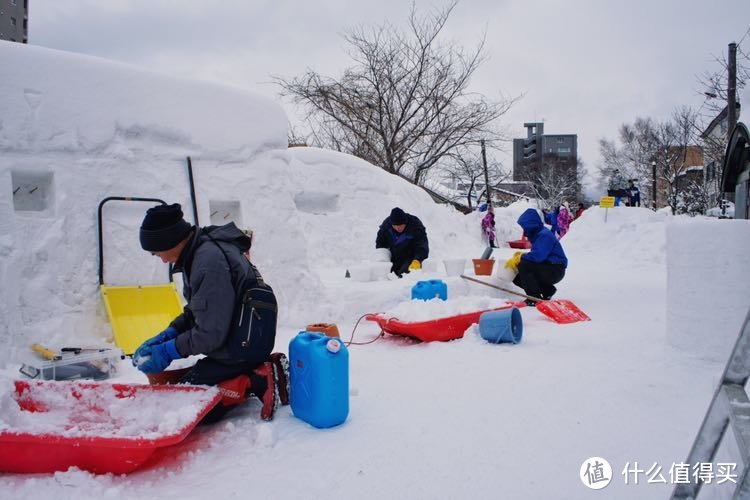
{"points": [[506, 290]]}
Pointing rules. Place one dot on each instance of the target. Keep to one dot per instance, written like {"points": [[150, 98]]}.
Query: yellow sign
{"points": [[607, 202]]}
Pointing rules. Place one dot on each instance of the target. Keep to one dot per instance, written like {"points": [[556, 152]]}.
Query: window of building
{"points": [[560, 140], [12, 21], [563, 151]]}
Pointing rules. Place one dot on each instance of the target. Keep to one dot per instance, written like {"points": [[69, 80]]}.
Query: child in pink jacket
{"points": [[563, 220]]}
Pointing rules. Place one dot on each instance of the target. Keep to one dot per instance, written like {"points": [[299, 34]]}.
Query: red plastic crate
{"points": [[30, 452]]}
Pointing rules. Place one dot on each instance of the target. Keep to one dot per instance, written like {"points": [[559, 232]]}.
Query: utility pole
{"points": [[487, 190], [653, 183], [732, 89], [731, 103]]}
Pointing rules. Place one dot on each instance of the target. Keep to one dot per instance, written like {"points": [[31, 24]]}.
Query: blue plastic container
{"points": [[319, 379], [427, 290], [503, 326]]}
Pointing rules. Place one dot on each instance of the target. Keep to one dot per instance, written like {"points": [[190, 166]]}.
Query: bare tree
{"points": [[674, 141], [404, 105], [670, 144], [713, 83], [465, 165], [553, 185]]}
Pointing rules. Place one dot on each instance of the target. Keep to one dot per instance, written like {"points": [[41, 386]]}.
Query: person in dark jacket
{"points": [[544, 266], [230, 316], [634, 194], [406, 238]]}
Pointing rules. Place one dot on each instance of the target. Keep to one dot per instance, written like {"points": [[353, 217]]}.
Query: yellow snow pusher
{"points": [[136, 312]]}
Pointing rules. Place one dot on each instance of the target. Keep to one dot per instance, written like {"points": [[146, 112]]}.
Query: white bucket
{"points": [[454, 267]]}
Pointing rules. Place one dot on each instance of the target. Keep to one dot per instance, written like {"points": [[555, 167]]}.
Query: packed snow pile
{"points": [[53, 101], [69, 409]]}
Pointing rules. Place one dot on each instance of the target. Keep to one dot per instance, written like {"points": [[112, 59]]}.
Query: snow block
{"points": [[319, 379], [707, 285], [504, 326]]}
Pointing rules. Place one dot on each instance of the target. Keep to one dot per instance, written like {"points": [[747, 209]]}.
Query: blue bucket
{"points": [[429, 289], [503, 326]]}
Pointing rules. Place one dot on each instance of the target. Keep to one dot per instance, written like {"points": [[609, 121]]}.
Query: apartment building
{"points": [[14, 20]]}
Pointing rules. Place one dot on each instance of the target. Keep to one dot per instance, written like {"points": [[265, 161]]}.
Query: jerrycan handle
{"points": [[308, 337]]}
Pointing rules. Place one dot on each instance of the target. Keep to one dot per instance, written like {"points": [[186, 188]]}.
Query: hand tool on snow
{"points": [[559, 311]]}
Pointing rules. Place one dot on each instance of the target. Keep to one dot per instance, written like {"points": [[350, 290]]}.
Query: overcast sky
{"points": [[584, 66]]}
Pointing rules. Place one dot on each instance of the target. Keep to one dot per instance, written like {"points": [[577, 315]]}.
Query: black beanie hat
{"points": [[398, 217], [163, 228]]}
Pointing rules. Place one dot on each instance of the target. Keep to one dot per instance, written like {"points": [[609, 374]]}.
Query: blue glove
{"points": [[168, 334], [156, 358]]}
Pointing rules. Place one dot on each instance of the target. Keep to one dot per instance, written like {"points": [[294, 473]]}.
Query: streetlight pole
{"points": [[653, 182]]}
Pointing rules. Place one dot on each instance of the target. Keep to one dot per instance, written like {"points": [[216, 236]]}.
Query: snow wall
{"points": [[692, 268]]}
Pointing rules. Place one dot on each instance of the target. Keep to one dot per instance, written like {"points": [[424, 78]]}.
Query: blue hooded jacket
{"points": [[545, 247]]}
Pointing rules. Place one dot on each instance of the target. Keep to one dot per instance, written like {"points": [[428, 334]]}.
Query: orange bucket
{"points": [[483, 267], [329, 329]]}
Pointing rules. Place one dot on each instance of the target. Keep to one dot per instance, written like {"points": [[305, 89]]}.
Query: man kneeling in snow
{"points": [[406, 238], [230, 315], [544, 265]]}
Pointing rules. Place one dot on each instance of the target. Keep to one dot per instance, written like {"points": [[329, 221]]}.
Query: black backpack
{"points": [[253, 329]]}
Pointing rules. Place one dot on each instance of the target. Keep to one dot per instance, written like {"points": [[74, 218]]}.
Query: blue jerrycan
{"points": [[427, 290], [319, 379]]}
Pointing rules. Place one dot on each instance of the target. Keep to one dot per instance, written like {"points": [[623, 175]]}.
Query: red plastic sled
{"points": [[75, 443], [443, 329], [521, 244]]}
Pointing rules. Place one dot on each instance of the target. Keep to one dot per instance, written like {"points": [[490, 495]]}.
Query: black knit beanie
{"points": [[398, 217], [163, 228]]}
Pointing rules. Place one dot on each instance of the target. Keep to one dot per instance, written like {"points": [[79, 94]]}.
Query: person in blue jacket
{"points": [[544, 266], [550, 218], [406, 238]]}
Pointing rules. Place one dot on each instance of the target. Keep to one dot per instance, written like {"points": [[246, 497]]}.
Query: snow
{"points": [[460, 419], [72, 410]]}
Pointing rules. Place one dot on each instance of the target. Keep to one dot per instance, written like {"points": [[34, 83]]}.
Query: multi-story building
{"points": [[547, 161], [14, 20], [715, 145]]}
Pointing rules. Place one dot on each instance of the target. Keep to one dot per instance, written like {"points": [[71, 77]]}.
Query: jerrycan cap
{"points": [[333, 345]]}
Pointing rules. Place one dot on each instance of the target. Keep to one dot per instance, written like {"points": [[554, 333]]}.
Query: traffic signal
{"points": [[530, 148]]}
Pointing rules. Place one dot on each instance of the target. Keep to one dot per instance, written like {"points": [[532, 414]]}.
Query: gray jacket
{"points": [[209, 288]]}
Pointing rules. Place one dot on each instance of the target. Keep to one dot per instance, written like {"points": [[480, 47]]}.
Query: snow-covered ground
{"points": [[460, 419]]}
